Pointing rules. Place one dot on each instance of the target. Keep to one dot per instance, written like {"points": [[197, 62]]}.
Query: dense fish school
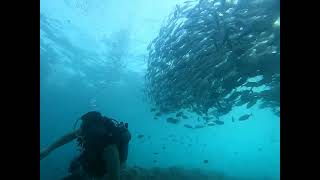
{"points": [[210, 56]]}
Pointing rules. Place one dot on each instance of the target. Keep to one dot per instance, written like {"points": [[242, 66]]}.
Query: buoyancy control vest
{"points": [[96, 133]]}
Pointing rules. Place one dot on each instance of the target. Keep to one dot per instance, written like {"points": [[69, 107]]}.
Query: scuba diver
{"points": [[103, 144]]}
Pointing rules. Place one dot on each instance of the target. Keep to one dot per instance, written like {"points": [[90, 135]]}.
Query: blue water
{"points": [[77, 76]]}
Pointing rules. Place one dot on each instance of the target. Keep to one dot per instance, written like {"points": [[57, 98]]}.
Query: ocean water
{"points": [[93, 56]]}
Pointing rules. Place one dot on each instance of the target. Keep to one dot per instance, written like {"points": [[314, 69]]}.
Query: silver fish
{"points": [[245, 117]]}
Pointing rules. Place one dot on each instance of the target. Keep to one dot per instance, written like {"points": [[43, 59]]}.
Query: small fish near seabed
{"points": [[244, 117]]}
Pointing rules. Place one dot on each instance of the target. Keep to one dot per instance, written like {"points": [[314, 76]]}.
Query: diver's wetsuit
{"points": [[77, 169]]}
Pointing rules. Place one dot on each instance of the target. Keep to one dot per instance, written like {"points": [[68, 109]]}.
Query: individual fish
{"points": [[251, 103], [205, 161], [211, 123], [218, 122], [155, 153], [188, 1], [246, 95], [232, 119], [155, 117], [234, 95], [140, 136], [224, 110], [184, 117], [241, 102], [154, 161], [153, 109], [199, 126], [179, 114], [176, 12], [163, 147], [244, 117], [265, 105], [158, 114], [149, 46], [187, 126], [172, 120]]}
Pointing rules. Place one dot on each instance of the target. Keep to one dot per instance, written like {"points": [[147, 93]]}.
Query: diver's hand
{"points": [[44, 152]]}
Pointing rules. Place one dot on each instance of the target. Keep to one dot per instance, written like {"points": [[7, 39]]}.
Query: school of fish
{"points": [[208, 56]]}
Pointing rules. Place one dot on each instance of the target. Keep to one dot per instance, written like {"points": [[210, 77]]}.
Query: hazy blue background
{"points": [[77, 76]]}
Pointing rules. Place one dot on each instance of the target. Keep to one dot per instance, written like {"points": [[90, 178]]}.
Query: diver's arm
{"points": [[60, 142]]}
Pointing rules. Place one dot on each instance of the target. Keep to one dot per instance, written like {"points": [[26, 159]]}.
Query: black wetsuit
{"points": [[80, 166]]}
